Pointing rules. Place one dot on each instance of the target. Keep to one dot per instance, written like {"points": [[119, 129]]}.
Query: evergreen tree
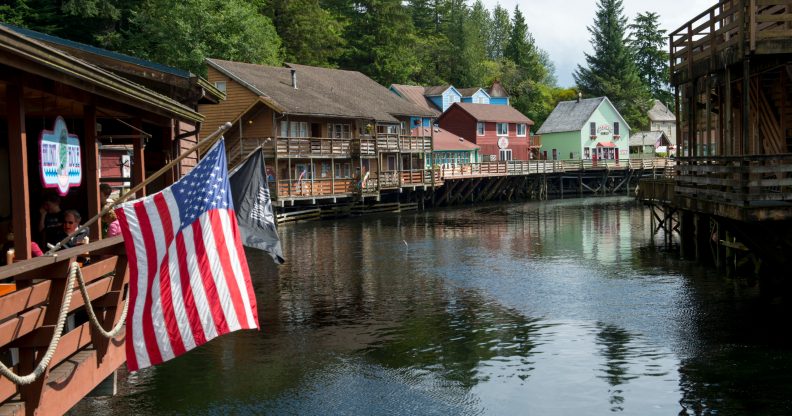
{"points": [[382, 42], [611, 70], [311, 35], [183, 33], [648, 42], [474, 48], [500, 30]]}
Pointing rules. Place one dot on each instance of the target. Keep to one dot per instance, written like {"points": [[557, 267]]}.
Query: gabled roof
{"points": [[497, 90], [659, 112], [84, 75], [320, 91], [445, 141], [573, 115], [141, 70], [469, 92], [649, 138], [415, 95], [438, 90], [493, 113]]}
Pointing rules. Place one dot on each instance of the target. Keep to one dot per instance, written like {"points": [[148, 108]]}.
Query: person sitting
{"points": [[71, 223], [50, 219], [110, 219]]}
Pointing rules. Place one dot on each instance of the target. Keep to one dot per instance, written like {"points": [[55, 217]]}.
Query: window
{"points": [[294, 129], [505, 154], [593, 128], [220, 85], [339, 131], [586, 153], [343, 170], [480, 129], [521, 130], [616, 128], [391, 162], [503, 129]]}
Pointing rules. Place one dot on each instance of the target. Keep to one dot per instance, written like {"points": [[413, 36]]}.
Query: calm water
{"points": [[543, 308]]}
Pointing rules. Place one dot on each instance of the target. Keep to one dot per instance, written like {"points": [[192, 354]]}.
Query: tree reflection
{"points": [[614, 343]]}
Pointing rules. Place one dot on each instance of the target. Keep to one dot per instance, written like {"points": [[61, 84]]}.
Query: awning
{"points": [[606, 144]]}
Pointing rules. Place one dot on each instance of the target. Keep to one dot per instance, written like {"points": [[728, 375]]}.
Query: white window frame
{"points": [[480, 128], [505, 154], [523, 127], [498, 129], [221, 85]]}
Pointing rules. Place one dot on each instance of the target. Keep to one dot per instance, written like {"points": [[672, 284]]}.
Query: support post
{"points": [[139, 164], [17, 149], [91, 162]]}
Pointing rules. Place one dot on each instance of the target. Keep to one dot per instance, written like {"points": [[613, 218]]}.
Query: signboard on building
{"points": [[604, 129], [60, 161], [503, 142]]}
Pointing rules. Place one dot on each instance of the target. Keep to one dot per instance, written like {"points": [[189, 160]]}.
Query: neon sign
{"points": [[59, 158]]}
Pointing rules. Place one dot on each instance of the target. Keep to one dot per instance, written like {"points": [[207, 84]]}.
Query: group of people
{"points": [[56, 224]]}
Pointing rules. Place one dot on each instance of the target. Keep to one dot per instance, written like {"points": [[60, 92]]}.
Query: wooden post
{"points": [[746, 103], [91, 162], [729, 136], [171, 148], [17, 150], [139, 164]]}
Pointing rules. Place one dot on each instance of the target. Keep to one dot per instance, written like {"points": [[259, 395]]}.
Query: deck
{"points": [[83, 358], [727, 32]]}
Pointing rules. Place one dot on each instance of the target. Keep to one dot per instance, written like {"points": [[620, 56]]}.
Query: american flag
{"points": [[189, 280]]}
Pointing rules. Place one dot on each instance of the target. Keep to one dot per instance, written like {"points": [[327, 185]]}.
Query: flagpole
{"points": [[206, 142]]}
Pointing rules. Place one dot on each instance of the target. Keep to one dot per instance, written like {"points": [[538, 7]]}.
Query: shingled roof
{"points": [[320, 91], [468, 92], [497, 90], [649, 138], [435, 90], [415, 95], [493, 113], [445, 141], [570, 115], [659, 112]]}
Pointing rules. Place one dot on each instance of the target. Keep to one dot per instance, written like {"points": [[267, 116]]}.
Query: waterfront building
{"points": [[327, 134], [663, 119], [56, 109], [450, 149], [589, 129], [502, 132], [474, 95], [646, 144]]}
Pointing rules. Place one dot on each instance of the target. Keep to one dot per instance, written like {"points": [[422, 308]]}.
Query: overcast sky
{"points": [[559, 26]]}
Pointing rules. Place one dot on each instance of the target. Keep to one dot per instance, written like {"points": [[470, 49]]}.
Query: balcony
{"points": [[415, 143], [365, 146], [316, 188], [722, 35], [293, 147]]}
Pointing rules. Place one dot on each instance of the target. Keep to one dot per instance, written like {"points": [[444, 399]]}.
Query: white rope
{"points": [[42, 365], [74, 273], [92, 316]]}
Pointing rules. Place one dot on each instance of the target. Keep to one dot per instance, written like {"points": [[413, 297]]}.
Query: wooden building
{"points": [[588, 129], [502, 132], [731, 67], [54, 110], [328, 134]]}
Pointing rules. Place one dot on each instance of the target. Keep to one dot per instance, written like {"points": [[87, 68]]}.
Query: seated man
{"points": [[71, 222]]}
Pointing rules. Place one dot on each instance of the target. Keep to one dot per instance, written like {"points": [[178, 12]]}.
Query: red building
{"points": [[502, 132]]}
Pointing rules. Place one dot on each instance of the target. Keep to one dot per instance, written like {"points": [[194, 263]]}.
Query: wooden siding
{"points": [[462, 124], [260, 125], [238, 99]]}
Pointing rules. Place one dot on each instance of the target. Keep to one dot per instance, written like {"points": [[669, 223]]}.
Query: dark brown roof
{"points": [[320, 91], [490, 112], [468, 92], [444, 140], [435, 90], [415, 95], [497, 90]]}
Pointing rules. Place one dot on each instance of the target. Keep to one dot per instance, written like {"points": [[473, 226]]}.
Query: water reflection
{"points": [[562, 307]]}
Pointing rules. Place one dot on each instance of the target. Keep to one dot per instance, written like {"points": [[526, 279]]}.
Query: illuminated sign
{"points": [[59, 158]]}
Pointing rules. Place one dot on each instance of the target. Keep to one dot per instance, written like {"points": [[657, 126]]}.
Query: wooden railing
{"points": [[721, 34], [313, 147], [28, 315], [744, 181], [365, 146], [389, 179], [415, 143], [387, 142], [314, 188], [527, 167], [416, 177]]}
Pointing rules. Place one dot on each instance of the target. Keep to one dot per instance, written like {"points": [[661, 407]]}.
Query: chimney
{"points": [[294, 78], [580, 94]]}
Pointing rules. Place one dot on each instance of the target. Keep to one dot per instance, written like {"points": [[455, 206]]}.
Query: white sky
{"points": [[559, 26]]}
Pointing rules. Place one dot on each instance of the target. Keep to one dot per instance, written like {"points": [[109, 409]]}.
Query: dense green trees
{"points": [[611, 69], [424, 42]]}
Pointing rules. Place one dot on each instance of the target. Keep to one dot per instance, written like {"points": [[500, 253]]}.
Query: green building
{"points": [[585, 129]]}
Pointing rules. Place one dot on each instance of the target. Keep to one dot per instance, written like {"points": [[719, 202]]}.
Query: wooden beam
{"points": [[138, 161], [91, 162], [17, 149]]}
